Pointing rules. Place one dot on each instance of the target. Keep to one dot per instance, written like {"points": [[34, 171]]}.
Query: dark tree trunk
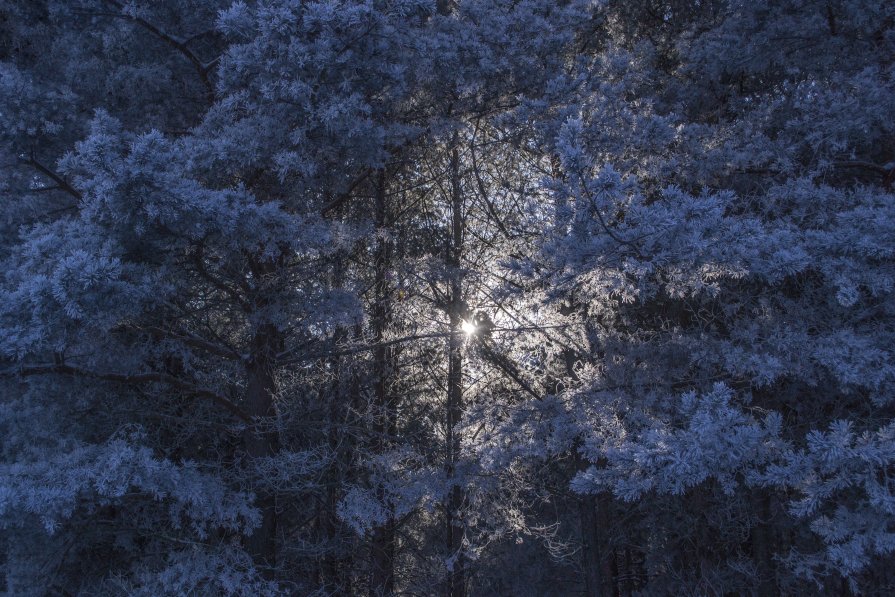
{"points": [[339, 398], [261, 438], [596, 559], [382, 560], [763, 547], [382, 546], [456, 497]]}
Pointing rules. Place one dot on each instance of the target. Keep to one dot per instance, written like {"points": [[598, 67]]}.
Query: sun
{"points": [[468, 327]]}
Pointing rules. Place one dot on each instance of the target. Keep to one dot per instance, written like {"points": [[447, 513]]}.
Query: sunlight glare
{"points": [[468, 327]]}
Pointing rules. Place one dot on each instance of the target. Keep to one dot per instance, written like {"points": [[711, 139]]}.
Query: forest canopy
{"points": [[447, 297]]}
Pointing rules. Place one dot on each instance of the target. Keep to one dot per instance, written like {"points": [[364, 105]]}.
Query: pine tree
{"points": [[446, 297]]}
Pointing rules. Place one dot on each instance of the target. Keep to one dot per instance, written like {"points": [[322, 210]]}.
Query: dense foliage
{"points": [[418, 297]]}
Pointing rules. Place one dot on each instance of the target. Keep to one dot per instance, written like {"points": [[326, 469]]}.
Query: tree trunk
{"points": [[599, 577], [339, 398], [456, 498], [382, 546], [762, 546], [382, 560], [261, 438]]}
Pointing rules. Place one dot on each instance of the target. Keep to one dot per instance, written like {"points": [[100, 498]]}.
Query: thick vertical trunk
{"points": [[600, 573], [336, 395], [328, 566], [456, 581], [762, 546], [456, 498], [382, 559], [597, 555], [453, 507], [261, 438], [626, 574], [382, 545], [599, 576]]}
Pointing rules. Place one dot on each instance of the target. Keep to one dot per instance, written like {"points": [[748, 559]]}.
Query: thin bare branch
{"points": [[63, 184]]}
